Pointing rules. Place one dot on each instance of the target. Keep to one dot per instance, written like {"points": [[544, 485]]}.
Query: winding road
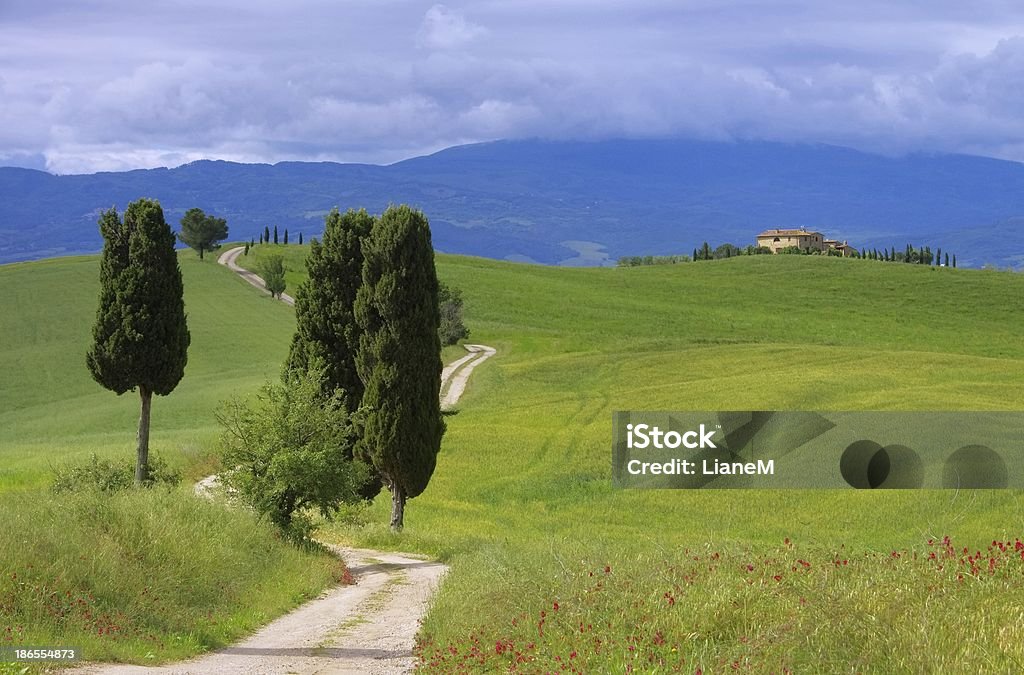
{"points": [[368, 627]]}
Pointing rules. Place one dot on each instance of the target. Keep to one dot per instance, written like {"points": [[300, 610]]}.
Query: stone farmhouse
{"points": [[804, 239]]}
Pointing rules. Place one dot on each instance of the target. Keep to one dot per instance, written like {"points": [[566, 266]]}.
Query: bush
{"points": [[108, 476], [451, 329], [288, 452]]}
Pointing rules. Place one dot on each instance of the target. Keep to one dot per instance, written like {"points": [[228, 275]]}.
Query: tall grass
{"points": [[144, 574]]}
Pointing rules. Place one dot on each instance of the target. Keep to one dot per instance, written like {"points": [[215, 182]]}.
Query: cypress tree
{"points": [[300, 239], [246, 251], [275, 234], [705, 252], [947, 259], [286, 236], [695, 254], [325, 325], [954, 260], [938, 256], [326, 330], [140, 339], [399, 356], [266, 234], [261, 237]]}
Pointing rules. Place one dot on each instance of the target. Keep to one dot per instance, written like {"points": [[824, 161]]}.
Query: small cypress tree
{"points": [[705, 252], [286, 236], [266, 234], [954, 260], [246, 251], [938, 256], [261, 237], [399, 356], [947, 259], [695, 254], [141, 338], [300, 239], [275, 234]]}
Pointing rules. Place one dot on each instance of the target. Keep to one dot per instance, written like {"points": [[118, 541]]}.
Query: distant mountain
{"points": [[565, 202]]}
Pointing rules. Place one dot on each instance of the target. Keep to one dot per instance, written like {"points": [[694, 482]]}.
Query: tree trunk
{"points": [[397, 507], [142, 457]]}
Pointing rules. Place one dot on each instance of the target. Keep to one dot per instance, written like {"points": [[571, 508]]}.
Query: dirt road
{"points": [[368, 627], [230, 259]]}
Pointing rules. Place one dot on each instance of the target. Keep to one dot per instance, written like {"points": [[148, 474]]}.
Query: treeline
{"points": [[265, 238], [922, 255], [705, 252]]}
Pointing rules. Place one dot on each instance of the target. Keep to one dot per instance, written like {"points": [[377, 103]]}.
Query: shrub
{"points": [[109, 476], [451, 329], [288, 452]]}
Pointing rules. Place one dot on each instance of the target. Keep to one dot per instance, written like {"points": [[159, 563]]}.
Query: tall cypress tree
{"points": [[326, 330], [266, 234], [326, 327], [140, 339], [275, 234], [399, 356], [286, 236]]}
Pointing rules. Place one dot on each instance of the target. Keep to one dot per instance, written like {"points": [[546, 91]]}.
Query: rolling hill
{"points": [[522, 504], [569, 203]]}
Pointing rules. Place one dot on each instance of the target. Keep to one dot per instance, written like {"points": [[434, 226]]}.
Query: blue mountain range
{"points": [[568, 203]]}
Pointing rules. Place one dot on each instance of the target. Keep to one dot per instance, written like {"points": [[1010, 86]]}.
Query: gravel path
{"points": [[368, 627]]}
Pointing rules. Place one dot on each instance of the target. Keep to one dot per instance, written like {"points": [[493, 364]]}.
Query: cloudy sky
{"points": [[89, 85]]}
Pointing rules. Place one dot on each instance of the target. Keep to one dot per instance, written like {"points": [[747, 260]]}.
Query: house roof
{"points": [[788, 233]]}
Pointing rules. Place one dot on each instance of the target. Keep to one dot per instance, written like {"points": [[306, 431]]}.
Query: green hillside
{"points": [[522, 499], [154, 575], [521, 502]]}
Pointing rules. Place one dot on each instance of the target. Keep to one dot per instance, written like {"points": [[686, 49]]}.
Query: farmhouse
{"points": [[804, 239]]}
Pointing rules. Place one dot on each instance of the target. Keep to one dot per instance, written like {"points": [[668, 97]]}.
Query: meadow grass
{"points": [[521, 503], [142, 576]]}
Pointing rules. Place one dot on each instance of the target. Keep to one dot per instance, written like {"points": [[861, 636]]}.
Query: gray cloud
{"points": [[104, 85]]}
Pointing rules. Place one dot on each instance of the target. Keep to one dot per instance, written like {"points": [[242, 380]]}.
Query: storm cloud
{"points": [[110, 84]]}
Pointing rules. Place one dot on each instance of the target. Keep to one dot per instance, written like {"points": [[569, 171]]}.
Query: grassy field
{"points": [[141, 577], [522, 505], [551, 567]]}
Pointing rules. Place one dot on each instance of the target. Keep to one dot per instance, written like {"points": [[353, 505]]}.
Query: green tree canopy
{"points": [[399, 357], [325, 325], [288, 452], [202, 232], [140, 338], [272, 270]]}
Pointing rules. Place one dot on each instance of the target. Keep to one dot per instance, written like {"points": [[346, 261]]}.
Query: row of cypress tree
{"points": [[368, 314], [265, 236]]}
